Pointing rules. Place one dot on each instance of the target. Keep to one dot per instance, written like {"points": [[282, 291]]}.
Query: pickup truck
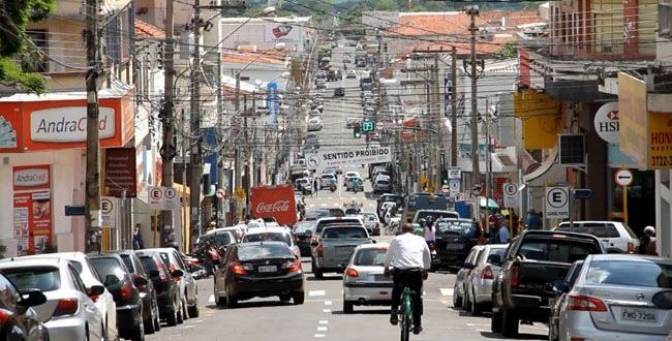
{"points": [[335, 246], [534, 259]]}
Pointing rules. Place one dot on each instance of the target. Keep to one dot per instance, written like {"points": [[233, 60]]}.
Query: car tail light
{"points": [[584, 303], [3, 317], [126, 290], [487, 273], [293, 266], [162, 273], [350, 272], [631, 247], [66, 306], [513, 275], [238, 269], [320, 251]]}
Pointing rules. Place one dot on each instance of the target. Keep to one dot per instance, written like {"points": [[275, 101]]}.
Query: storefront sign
{"points": [[68, 124], [607, 122], [660, 141], [120, 172], [632, 118], [274, 201], [32, 208]]}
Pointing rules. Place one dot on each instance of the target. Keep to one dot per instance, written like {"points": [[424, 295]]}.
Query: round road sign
{"points": [[170, 193], [156, 193], [510, 189], [557, 197], [623, 177], [106, 205]]}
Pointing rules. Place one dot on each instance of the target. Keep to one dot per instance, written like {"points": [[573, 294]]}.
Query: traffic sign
{"points": [[510, 189], [454, 185], [557, 202], [582, 193], [623, 177], [510, 194], [240, 194], [368, 126], [163, 198], [108, 209]]}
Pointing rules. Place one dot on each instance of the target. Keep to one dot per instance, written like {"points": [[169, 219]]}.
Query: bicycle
{"points": [[405, 313]]}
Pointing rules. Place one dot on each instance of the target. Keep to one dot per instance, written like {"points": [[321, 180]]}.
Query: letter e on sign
{"points": [[557, 202]]}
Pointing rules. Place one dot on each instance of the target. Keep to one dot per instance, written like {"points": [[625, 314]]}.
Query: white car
{"points": [[69, 313], [372, 223], [277, 234], [351, 74], [315, 124], [478, 284], [104, 302], [612, 234], [364, 281]]}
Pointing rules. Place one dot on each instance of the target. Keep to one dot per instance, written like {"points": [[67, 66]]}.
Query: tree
{"points": [[386, 5], [14, 17]]}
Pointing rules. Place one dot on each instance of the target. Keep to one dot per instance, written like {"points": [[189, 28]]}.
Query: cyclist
{"points": [[408, 259]]}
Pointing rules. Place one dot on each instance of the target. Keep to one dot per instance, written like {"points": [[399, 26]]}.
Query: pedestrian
{"points": [[647, 245], [316, 186], [138, 243], [533, 221], [503, 231]]}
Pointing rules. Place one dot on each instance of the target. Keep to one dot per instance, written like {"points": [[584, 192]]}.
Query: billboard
{"points": [[278, 32], [274, 201], [660, 141], [32, 204], [632, 118]]}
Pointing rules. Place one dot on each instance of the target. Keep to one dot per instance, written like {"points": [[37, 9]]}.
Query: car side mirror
{"points": [[495, 259], [140, 281], [558, 287], [177, 273], [32, 297], [111, 279], [95, 290], [373, 241], [154, 273]]}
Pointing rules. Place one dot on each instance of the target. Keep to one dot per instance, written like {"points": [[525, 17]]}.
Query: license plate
{"points": [[639, 315], [454, 246], [267, 268]]}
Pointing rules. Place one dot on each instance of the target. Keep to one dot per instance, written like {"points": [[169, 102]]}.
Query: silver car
{"points": [[364, 282], [69, 313], [277, 234], [172, 259], [479, 281], [618, 297]]}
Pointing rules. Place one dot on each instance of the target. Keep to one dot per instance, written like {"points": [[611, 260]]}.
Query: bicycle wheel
{"points": [[405, 327]]}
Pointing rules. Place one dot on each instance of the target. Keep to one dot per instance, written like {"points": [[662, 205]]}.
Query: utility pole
{"points": [[196, 160], [92, 203], [440, 166], [453, 107], [246, 158], [476, 175], [220, 163], [168, 149]]}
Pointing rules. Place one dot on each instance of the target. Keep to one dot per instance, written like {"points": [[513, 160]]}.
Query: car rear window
{"points": [[370, 257], [148, 263], [108, 266], [344, 233], [555, 250], [223, 238], [268, 237], [128, 262], [303, 227], [598, 230], [254, 252], [43, 278], [630, 273], [349, 221], [443, 226]]}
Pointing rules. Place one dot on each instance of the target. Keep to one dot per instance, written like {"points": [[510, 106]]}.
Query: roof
{"points": [[13, 262], [145, 29], [272, 229], [250, 54], [269, 242]]}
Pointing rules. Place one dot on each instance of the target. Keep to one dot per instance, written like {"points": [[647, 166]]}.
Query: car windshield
{"points": [[302, 227], [108, 266], [370, 257], [344, 233], [268, 237], [555, 250], [630, 273], [43, 278], [254, 252]]}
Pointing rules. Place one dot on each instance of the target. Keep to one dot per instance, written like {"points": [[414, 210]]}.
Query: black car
{"points": [[150, 305], [339, 92], [167, 291], [454, 240], [300, 238], [17, 320], [124, 288], [259, 269]]}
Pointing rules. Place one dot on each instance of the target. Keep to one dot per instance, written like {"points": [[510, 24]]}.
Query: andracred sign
{"points": [[274, 201], [31, 177], [69, 124]]}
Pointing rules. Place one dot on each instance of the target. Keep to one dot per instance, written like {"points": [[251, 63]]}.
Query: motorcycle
{"points": [[208, 255]]}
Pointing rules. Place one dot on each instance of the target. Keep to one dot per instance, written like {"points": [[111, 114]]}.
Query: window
{"points": [[8, 294], [43, 278], [556, 250], [370, 257], [630, 273], [107, 266], [40, 39], [344, 233], [269, 237], [76, 280], [249, 253], [128, 262]]}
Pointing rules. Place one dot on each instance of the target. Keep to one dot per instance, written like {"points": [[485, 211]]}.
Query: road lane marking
{"points": [[328, 302], [447, 291], [322, 329], [324, 204], [328, 311], [324, 322], [211, 299], [319, 336], [313, 293]]}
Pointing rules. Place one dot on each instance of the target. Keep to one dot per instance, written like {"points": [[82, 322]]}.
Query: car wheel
{"points": [[553, 330], [496, 322], [139, 333], [476, 309], [185, 311], [180, 313], [157, 319], [457, 299], [219, 301], [231, 301], [510, 323], [348, 307], [193, 310], [285, 298], [299, 297], [149, 324], [173, 318]]}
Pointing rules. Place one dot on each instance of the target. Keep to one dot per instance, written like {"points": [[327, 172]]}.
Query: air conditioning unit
{"points": [[572, 149]]}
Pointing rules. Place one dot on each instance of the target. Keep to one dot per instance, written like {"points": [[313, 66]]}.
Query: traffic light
{"points": [[357, 132], [368, 126]]}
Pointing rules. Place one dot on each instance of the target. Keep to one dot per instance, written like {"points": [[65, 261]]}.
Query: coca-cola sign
{"points": [[274, 207], [274, 201]]}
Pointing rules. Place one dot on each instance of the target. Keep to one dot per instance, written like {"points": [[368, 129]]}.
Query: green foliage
{"points": [[508, 51], [14, 41], [386, 5], [3, 249]]}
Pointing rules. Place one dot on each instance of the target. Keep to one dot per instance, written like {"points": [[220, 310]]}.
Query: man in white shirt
{"points": [[408, 258]]}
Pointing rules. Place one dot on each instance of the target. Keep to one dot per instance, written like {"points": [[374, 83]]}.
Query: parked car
{"points": [[339, 92], [167, 290], [533, 259], [454, 240], [259, 269], [104, 302], [479, 282], [19, 317], [188, 289], [150, 304], [119, 281], [335, 247], [364, 281], [560, 298], [301, 239], [351, 74], [459, 289], [277, 234], [612, 234], [618, 297], [326, 180], [68, 312]]}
